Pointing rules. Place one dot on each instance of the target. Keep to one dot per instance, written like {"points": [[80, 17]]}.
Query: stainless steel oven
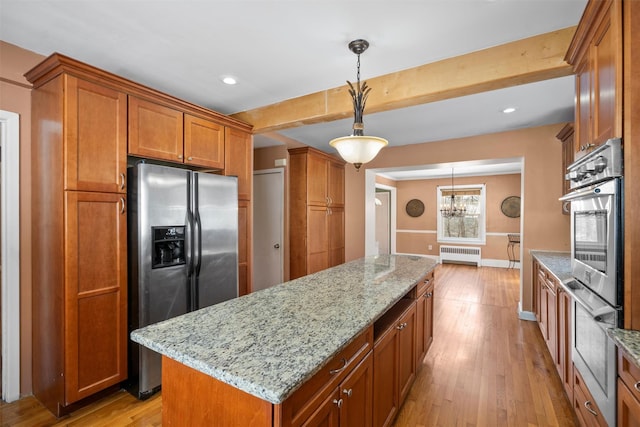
{"points": [[596, 263]]}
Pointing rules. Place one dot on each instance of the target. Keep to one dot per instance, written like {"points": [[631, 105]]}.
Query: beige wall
{"points": [[15, 96], [498, 187], [544, 225]]}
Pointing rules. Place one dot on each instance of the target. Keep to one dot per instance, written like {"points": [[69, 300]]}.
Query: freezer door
{"points": [[216, 235]]}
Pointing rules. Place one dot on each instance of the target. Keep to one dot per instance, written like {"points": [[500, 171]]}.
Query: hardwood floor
{"points": [[484, 368]]}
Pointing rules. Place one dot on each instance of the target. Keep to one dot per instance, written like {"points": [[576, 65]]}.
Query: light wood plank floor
{"points": [[485, 368]]}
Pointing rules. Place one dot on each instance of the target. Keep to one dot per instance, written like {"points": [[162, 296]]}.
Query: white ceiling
{"points": [[281, 49]]}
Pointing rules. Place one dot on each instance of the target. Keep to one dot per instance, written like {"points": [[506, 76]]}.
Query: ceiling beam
{"points": [[524, 61]]}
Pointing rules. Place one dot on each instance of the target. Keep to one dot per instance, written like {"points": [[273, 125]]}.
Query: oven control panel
{"points": [[602, 163]]}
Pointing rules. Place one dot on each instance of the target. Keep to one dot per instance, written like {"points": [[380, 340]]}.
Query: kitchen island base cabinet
{"points": [[628, 391]]}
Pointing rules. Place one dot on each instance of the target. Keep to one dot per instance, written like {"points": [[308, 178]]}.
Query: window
{"points": [[470, 226]]}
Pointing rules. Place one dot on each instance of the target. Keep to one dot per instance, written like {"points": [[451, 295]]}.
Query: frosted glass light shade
{"points": [[358, 149]]}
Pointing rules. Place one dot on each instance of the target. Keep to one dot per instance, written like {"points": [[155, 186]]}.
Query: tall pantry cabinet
{"points": [[316, 232], [79, 157], [85, 124]]}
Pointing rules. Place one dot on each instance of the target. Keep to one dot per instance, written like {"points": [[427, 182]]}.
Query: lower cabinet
{"points": [[424, 316], [394, 360], [350, 404], [628, 392], [584, 405]]}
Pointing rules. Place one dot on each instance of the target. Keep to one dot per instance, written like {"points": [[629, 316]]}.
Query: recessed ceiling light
{"points": [[229, 80], [509, 110]]}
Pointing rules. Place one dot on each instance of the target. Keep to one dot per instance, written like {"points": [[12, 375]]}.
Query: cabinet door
{"points": [[238, 154], [552, 326], [385, 379], [95, 137], [356, 392], [583, 107], [317, 239], [628, 407], [327, 415], [317, 178], [424, 323], [95, 292], [155, 131], [335, 186], [406, 352], [606, 54], [564, 363], [244, 247], [203, 142], [336, 236]]}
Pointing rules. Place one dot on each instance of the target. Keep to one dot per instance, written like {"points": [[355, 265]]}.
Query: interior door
{"points": [[268, 225]]}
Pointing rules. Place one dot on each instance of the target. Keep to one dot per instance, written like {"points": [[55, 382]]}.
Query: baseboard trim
{"points": [[526, 315]]}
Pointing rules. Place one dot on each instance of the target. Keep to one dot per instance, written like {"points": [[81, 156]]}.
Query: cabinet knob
{"points": [[180, 156], [347, 392], [637, 386], [338, 402], [189, 158]]}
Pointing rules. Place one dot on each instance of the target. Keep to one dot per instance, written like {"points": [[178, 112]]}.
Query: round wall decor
{"points": [[414, 208], [511, 207]]}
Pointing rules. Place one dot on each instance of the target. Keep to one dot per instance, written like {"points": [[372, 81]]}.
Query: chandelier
{"points": [[452, 210], [358, 148]]}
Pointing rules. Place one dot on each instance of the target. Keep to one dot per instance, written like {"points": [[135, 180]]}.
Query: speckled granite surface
{"points": [[628, 341], [558, 263], [270, 342]]}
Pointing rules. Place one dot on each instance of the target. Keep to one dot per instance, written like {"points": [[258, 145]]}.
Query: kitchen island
{"points": [[272, 357]]}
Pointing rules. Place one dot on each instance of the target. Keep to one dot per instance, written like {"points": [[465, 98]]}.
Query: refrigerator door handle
{"points": [[197, 243], [188, 250]]}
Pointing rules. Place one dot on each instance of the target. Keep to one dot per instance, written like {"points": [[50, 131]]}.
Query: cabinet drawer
{"points": [[583, 404], [629, 372], [297, 408], [423, 284]]}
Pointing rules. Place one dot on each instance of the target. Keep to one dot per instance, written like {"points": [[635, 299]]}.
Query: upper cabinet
{"points": [[164, 133], [596, 55]]}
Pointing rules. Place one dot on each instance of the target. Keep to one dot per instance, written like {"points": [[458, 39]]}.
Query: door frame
{"points": [[280, 173], [392, 214], [10, 223]]}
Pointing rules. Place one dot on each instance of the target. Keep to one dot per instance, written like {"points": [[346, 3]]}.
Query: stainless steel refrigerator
{"points": [[183, 253]]}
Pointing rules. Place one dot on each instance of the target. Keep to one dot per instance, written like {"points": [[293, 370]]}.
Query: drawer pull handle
{"points": [[637, 386], [122, 205], [347, 392], [338, 402], [122, 180], [344, 365], [587, 405]]}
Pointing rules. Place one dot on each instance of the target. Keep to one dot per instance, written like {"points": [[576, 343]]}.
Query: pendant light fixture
{"points": [[358, 148], [452, 210]]}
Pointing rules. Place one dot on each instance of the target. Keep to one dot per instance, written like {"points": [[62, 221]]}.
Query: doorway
{"points": [[10, 253], [268, 227], [383, 221]]}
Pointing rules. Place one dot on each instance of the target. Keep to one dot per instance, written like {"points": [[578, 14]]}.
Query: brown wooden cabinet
{"points": [[84, 122], [79, 238], [596, 54], [316, 211], [394, 360], [628, 392], [566, 137], [238, 155], [584, 406], [564, 364], [547, 288], [424, 316], [157, 131]]}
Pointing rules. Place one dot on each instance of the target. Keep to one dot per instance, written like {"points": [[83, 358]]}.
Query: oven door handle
{"points": [[587, 193], [604, 315]]}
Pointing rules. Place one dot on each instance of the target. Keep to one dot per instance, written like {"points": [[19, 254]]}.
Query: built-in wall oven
{"points": [[597, 265]]}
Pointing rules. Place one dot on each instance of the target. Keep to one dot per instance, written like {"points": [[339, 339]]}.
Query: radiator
{"points": [[461, 254]]}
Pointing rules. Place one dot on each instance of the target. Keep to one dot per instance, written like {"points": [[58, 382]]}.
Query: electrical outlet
{"points": [[430, 247]]}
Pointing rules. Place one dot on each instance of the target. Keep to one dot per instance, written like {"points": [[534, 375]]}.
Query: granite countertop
{"points": [[270, 342], [628, 341], [558, 263]]}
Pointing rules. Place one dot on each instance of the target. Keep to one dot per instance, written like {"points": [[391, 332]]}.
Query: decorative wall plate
{"points": [[414, 208], [511, 207]]}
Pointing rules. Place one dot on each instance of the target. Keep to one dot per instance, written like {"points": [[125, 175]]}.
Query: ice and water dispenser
{"points": [[168, 246]]}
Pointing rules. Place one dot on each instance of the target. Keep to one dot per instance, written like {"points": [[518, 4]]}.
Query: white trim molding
{"points": [[10, 223]]}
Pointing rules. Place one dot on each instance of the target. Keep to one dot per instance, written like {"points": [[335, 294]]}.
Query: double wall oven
{"points": [[597, 266]]}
